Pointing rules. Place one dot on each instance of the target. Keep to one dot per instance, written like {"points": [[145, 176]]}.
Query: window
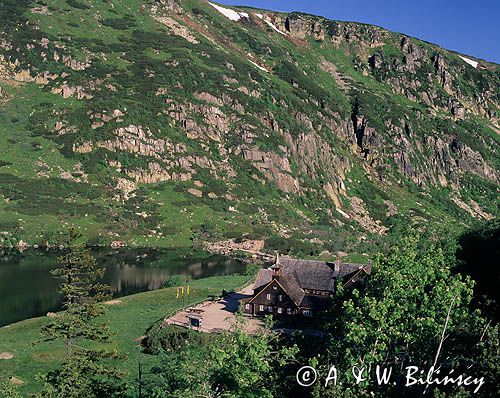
{"points": [[307, 313], [247, 306], [268, 296], [270, 308], [280, 310], [280, 297], [289, 311], [261, 308]]}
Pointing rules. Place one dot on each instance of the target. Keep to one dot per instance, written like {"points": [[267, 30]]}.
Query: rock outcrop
{"points": [[222, 107]]}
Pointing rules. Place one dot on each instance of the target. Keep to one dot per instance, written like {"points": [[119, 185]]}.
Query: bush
{"points": [[9, 390], [252, 269], [171, 338], [119, 23], [174, 280], [77, 4]]}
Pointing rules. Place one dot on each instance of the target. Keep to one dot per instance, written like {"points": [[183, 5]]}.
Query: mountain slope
{"points": [[162, 122]]}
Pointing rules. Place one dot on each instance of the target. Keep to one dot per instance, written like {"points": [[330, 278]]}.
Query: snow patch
{"points": [[258, 66], [272, 26], [470, 61], [228, 13], [260, 16]]}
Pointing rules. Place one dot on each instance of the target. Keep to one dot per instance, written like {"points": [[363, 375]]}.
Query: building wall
{"points": [[318, 292], [267, 301]]}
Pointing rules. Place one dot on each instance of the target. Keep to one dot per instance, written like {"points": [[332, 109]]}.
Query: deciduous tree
{"points": [[413, 311], [232, 364]]}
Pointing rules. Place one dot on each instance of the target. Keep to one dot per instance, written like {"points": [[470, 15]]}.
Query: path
{"points": [[218, 315]]}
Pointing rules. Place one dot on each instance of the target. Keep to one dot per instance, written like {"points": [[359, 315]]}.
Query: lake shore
{"points": [[129, 319], [30, 290]]}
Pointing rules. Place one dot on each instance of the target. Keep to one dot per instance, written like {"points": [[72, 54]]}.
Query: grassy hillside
{"points": [[165, 122], [128, 320]]}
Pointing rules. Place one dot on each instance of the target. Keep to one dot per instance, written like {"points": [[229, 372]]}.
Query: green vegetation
{"points": [[415, 310], [127, 320], [477, 256], [9, 390], [85, 371], [230, 364], [170, 128], [122, 58]]}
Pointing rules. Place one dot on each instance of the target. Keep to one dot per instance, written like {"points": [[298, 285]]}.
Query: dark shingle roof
{"points": [[292, 287], [310, 274], [263, 278]]}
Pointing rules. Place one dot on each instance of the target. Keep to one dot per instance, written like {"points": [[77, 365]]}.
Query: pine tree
{"points": [[87, 371]]}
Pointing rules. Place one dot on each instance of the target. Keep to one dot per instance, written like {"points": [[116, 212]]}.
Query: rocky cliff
{"points": [[191, 120]]}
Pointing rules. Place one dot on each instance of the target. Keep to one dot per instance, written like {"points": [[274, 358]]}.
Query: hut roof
{"points": [[292, 287], [310, 274]]}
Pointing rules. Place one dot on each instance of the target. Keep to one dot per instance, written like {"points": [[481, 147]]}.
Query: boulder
{"points": [[195, 192]]}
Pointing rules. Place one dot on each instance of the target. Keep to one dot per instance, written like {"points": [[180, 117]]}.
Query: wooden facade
{"points": [[272, 299]]}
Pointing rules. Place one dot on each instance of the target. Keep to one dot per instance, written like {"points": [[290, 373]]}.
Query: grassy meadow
{"points": [[128, 320]]}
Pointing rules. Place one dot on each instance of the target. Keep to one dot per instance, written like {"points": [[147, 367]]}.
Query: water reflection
{"points": [[27, 288]]}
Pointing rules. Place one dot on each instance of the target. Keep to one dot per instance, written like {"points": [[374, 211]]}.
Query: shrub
{"points": [[174, 280]]}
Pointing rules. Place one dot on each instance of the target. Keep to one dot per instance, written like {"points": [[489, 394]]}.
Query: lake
{"points": [[27, 288]]}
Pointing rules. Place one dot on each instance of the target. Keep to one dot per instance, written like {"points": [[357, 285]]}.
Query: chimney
{"points": [[276, 267], [337, 265]]}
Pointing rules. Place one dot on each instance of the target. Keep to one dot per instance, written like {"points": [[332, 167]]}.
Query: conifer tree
{"points": [[87, 370]]}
